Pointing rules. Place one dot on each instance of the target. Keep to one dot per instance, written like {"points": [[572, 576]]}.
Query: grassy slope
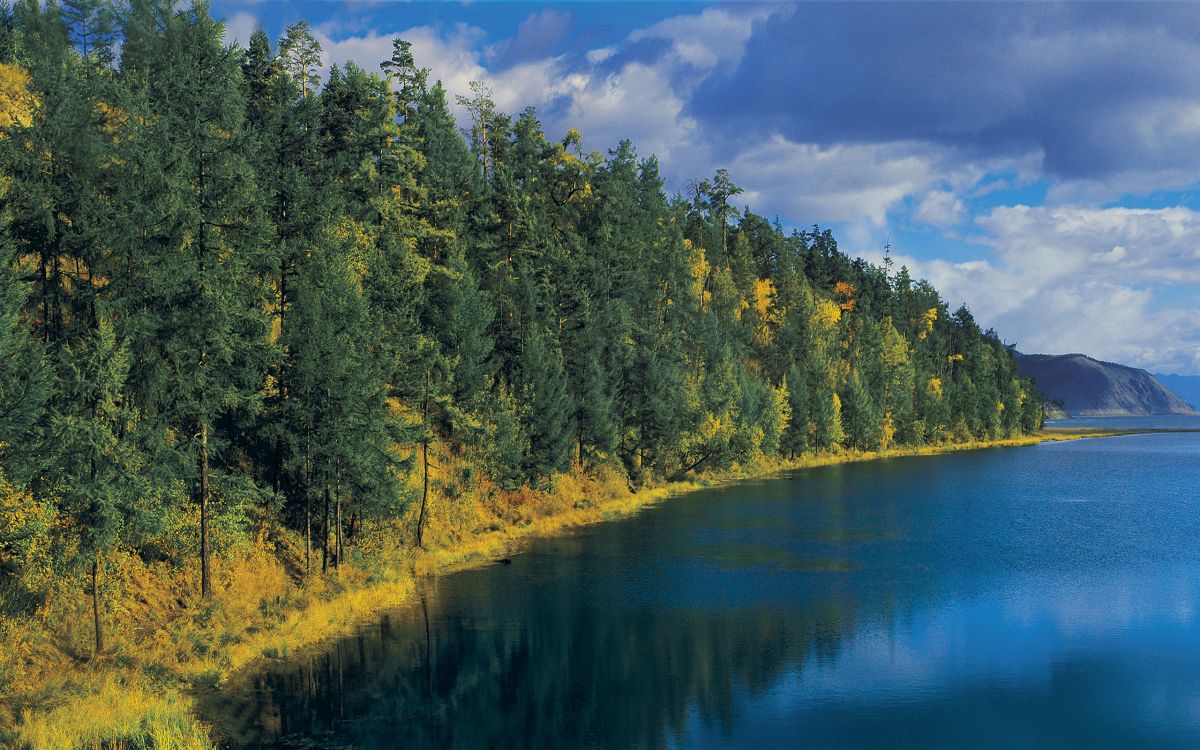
{"points": [[166, 643]]}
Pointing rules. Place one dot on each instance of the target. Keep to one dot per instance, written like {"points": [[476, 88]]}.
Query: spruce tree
{"points": [[89, 451], [207, 337], [543, 389], [24, 375]]}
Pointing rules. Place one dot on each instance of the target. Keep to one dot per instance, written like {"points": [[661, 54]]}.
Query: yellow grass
{"points": [[166, 642], [116, 715]]}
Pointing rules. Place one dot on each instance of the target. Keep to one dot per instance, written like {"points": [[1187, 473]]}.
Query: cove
{"points": [[1045, 596]]}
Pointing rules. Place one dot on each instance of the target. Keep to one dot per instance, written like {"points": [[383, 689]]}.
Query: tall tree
{"points": [[208, 338], [301, 55], [88, 450]]}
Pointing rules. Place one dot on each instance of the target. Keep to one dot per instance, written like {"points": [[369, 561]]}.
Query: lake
{"points": [[1045, 596], [1160, 422]]}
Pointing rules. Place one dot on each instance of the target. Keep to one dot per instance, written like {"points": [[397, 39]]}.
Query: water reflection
{"points": [[564, 675], [969, 600]]}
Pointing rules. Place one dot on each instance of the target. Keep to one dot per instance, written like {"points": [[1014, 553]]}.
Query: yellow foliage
{"points": [[889, 431], [16, 101], [27, 538], [360, 242], [954, 358], [764, 297], [895, 348], [934, 388], [700, 269], [927, 321], [710, 427], [766, 311], [112, 118], [827, 315], [782, 404]]}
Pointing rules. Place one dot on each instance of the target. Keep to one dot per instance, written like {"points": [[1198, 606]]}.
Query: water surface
{"points": [[1045, 596], [1149, 422]]}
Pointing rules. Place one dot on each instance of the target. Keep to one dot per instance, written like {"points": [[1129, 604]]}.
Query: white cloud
{"points": [[714, 36], [940, 208], [1098, 281], [239, 28], [452, 54], [835, 183], [601, 108]]}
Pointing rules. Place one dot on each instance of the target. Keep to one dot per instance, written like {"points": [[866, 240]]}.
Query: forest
{"points": [[239, 290]]}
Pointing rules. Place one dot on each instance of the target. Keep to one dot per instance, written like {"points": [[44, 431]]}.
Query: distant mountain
{"points": [[1090, 388], [1186, 387]]}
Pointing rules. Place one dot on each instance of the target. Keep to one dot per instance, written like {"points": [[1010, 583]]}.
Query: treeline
{"points": [[227, 289]]}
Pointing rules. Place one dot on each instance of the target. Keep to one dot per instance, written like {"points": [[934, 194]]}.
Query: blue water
{"points": [[1046, 597], [1162, 422]]}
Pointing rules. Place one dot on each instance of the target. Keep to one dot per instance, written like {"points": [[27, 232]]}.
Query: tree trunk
{"points": [[425, 466], [724, 234], [96, 621], [424, 493], [307, 511], [205, 548], [337, 516], [325, 534]]}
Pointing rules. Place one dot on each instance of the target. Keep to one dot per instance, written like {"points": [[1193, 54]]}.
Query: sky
{"points": [[1040, 162]]}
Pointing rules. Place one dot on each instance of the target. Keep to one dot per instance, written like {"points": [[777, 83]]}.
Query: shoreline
{"points": [[164, 710]]}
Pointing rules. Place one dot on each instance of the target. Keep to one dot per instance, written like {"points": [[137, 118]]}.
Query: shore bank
{"points": [[142, 695]]}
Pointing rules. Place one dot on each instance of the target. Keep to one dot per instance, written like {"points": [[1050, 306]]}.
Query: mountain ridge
{"points": [[1088, 387], [1186, 387]]}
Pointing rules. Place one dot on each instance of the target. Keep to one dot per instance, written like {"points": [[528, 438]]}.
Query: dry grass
{"points": [[115, 714], [167, 642]]}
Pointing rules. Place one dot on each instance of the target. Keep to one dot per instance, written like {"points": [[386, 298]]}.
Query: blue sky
{"points": [[1038, 161]]}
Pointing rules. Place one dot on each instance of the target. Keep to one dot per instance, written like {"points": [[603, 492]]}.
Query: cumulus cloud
{"points": [[637, 90], [239, 27], [1071, 278], [452, 52], [536, 38], [835, 183], [714, 36], [1106, 95], [940, 208]]}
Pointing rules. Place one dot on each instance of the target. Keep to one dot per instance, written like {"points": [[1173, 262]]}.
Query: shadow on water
{"points": [[563, 675], [1029, 597]]}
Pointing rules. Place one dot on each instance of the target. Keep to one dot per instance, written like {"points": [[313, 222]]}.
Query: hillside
{"points": [[1089, 387], [1187, 387]]}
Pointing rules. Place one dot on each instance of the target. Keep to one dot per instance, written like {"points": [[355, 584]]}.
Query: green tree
{"points": [[24, 376], [547, 422], [96, 469], [204, 346], [300, 53]]}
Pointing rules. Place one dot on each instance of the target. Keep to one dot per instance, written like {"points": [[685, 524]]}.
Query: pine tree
{"points": [[340, 426], [408, 81], [96, 467], [208, 339], [797, 438], [24, 376], [300, 53], [547, 409], [860, 416]]}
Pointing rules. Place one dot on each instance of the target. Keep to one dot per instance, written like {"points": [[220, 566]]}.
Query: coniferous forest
{"points": [[236, 288]]}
